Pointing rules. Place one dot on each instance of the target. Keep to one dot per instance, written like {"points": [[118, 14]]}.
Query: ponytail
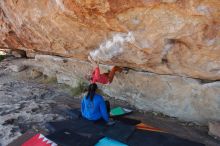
{"points": [[91, 91]]}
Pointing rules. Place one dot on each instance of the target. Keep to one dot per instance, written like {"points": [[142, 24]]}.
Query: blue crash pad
{"points": [[109, 142]]}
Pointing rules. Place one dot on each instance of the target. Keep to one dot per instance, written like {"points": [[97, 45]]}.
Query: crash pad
{"points": [[150, 138], [92, 131], [147, 127], [68, 137], [23, 138], [125, 131], [26, 136], [126, 120], [68, 124], [120, 132], [109, 142], [119, 111], [80, 126], [39, 140]]}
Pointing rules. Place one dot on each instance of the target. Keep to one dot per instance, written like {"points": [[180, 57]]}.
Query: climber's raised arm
{"points": [[94, 63]]}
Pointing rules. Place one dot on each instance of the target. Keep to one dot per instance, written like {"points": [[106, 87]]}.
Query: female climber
{"points": [[93, 106], [104, 78]]}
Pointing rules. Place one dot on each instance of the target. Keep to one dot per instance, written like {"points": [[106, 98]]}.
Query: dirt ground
{"points": [[29, 99]]}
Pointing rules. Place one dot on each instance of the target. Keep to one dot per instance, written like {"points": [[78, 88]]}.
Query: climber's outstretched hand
{"points": [[94, 63]]}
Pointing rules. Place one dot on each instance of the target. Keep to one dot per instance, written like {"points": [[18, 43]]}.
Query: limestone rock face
{"points": [[177, 37], [214, 129], [185, 98]]}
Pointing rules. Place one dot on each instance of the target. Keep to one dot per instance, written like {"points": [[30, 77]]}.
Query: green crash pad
{"points": [[109, 142], [118, 111]]}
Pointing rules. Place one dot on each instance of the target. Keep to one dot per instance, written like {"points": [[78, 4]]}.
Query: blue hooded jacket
{"points": [[95, 109]]}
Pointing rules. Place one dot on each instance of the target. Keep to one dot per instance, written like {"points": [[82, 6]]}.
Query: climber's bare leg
{"points": [[112, 73]]}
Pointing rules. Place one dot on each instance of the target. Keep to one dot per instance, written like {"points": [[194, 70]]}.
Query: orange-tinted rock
{"points": [[178, 37]]}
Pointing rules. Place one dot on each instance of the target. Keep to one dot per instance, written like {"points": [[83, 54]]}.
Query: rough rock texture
{"points": [[17, 68], [214, 129], [25, 103], [36, 102], [18, 53], [179, 37], [185, 98]]}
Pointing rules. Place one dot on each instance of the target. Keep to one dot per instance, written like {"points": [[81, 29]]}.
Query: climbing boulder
{"points": [[185, 98], [176, 37]]}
